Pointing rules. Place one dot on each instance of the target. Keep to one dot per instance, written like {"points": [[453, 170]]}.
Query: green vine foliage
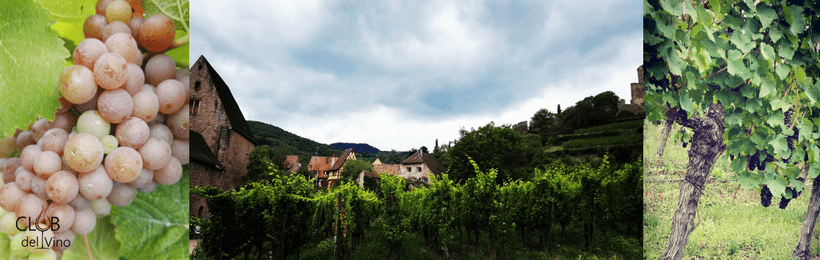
{"points": [[759, 60]]}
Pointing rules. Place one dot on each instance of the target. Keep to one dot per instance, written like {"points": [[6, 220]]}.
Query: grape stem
{"points": [[180, 42], [87, 248]]}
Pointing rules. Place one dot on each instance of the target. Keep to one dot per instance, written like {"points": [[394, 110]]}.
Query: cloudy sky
{"points": [[400, 74]]}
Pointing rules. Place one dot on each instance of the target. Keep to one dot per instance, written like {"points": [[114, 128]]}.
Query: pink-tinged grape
{"points": [[179, 122], [63, 212], [109, 143], [27, 156], [54, 140], [123, 44], [65, 121], [79, 203], [172, 96], [83, 152], [84, 221], [65, 235], [64, 105], [157, 33], [149, 87], [155, 153], [93, 123], [88, 51], [138, 60], [23, 179], [39, 128], [145, 177], [159, 68], [47, 163], [122, 195], [180, 150], [115, 105], [182, 74], [118, 10], [77, 84], [24, 138], [93, 26], [8, 224], [31, 207], [95, 185], [38, 187], [101, 207], [151, 186], [9, 168], [160, 119], [110, 71], [101, 6], [91, 104], [132, 133], [146, 105], [169, 174], [113, 28], [7, 146], [162, 132], [136, 78], [135, 24], [10, 196], [123, 164], [33, 234], [62, 186]]}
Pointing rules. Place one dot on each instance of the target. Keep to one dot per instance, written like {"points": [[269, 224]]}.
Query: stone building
{"points": [[221, 133], [292, 164], [416, 169]]}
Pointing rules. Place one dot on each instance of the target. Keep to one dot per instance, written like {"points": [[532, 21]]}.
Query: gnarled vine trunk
{"points": [[809, 221], [667, 128], [707, 146]]}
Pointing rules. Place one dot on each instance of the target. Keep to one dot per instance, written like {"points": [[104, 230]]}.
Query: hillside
{"points": [[359, 148], [274, 136]]}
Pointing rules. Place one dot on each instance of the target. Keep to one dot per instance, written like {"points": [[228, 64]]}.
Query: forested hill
{"points": [[359, 148], [274, 136]]}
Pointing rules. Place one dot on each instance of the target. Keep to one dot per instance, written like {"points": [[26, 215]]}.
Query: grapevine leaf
{"points": [[743, 41], [780, 104], [31, 59], [813, 93], [800, 75], [775, 34], [779, 144], [768, 52], [687, 104], [798, 185], [735, 63], [777, 184], [99, 242], [154, 226], [782, 71], [775, 118], [767, 86], [715, 5], [766, 15], [786, 50], [672, 6], [798, 22], [177, 10], [68, 14], [814, 170]]}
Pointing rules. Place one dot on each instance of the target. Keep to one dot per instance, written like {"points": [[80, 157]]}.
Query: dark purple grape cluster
{"points": [[784, 202], [787, 120], [754, 160], [765, 196]]}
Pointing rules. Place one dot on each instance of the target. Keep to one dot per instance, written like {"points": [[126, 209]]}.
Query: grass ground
{"points": [[730, 223]]}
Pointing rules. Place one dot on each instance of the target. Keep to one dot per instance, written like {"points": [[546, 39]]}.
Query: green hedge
{"points": [[603, 141], [615, 126]]}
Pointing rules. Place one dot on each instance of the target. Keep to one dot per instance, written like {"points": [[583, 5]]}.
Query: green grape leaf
{"points": [[777, 183], [715, 6], [735, 64], [672, 6], [782, 71], [800, 75], [786, 50], [99, 242], [767, 85], [180, 54], [766, 15], [743, 41], [31, 60], [68, 14], [768, 52], [177, 10], [687, 104], [813, 93], [155, 225], [775, 118], [775, 34], [779, 144], [797, 23], [4, 244]]}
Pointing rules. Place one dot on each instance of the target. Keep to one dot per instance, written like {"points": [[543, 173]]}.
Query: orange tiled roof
{"points": [[321, 164], [392, 169]]}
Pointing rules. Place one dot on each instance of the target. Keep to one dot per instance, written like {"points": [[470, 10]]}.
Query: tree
{"points": [[742, 70], [591, 111], [352, 169], [491, 147], [543, 124], [260, 166], [424, 149]]}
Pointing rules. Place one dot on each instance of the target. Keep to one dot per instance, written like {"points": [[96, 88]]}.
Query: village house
{"points": [[319, 165], [292, 164], [416, 169], [221, 140]]}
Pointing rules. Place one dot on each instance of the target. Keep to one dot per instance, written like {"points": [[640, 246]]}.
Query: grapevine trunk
{"points": [[804, 241]]}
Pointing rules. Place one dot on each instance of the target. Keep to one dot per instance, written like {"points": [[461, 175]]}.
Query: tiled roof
{"points": [[393, 169], [431, 162], [342, 160], [321, 164], [238, 122], [201, 153]]}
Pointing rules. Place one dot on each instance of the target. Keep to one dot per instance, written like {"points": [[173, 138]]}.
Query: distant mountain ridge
{"points": [[359, 148], [275, 136]]}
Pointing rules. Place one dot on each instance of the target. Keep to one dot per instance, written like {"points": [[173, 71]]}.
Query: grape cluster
{"points": [[754, 161], [122, 129], [765, 196], [784, 202]]}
